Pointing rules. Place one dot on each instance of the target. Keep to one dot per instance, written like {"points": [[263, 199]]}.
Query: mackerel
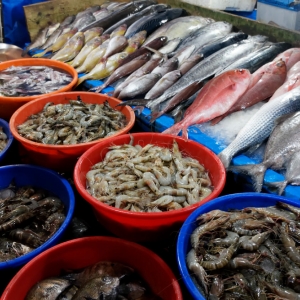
{"points": [[208, 67]]}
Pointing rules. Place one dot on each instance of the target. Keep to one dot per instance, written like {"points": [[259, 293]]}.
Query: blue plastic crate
{"points": [[286, 4]]}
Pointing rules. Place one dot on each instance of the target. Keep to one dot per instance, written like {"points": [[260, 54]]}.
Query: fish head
{"points": [[139, 37], [277, 67], [104, 37], [72, 31]]}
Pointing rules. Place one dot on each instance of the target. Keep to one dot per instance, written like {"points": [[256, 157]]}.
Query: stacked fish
{"points": [[3, 139]]}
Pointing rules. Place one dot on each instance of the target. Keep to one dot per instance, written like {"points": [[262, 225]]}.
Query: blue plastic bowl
{"points": [[6, 130], [233, 201], [45, 179]]}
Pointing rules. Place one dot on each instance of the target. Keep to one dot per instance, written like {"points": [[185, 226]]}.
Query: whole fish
{"points": [[214, 99], [154, 44], [290, 57], [181, 27], [92, 33], [184, 54], [115, 45], [271, 78], [84, 21], [168, 66], [84, 52], [292, 81], [134, 17], [59, 44], [189, 63], [227, 40], [259, 127], [119, 14], [39, 41], [145, 69], [153, 21], [52, 38], [104, 69], [292, 175], [283, 142], [209, 66], [174, 101], [139, 87], [125, 70], [169, 47], [94, 56], [258, 58], [162, 84], [119, 31], [71, 49], [207, 34]]}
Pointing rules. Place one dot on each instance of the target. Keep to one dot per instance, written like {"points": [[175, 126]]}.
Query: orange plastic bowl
{"points": [[80, 253], [8, 105], [60, 157], [138, 226]]}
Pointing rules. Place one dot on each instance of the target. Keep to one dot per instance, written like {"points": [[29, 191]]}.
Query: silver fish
{"points": [[190, 63], [259, 127], [183, 54], [39, 41], [168, 66], [67, 21], [82, 22], [169, 47], [206, 34], [208, 67], [140, 86], [180, 28], [283, 142], [162, 84], [52, 38], [292, 175]]}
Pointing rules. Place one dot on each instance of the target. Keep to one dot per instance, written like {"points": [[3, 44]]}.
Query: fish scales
{"points": [[259, 127], [208, 67]]}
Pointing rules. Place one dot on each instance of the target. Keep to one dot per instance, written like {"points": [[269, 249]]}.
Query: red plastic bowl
{"points": [[60, 157], [8, 105], [138, 226], [80, 253]]}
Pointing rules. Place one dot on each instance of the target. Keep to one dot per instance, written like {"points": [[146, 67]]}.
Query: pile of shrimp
{"points": [[247, 254], [3, 139], [148, 179]]}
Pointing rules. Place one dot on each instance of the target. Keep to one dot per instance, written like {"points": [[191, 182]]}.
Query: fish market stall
{"points": [[185, 70]]}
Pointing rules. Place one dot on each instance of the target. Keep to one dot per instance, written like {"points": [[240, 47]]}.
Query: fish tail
{"points": [[138, 109], [217, 120], [40, 54], [279, 185], [98, 89], [257, 173], [174, 130], [81, 80]]}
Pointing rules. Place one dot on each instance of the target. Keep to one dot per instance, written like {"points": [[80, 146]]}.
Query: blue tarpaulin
{"points": [[14, 23]]}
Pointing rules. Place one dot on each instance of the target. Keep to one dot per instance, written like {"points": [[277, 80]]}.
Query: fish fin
{"points": [[154, 51], [279, 185], [257, 173], [138, 109], [173, 130], [217, 120]]}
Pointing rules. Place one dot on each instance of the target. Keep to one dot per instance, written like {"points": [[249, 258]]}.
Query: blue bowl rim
{"points": [[183, 238], [17, 262], [7, 131]]}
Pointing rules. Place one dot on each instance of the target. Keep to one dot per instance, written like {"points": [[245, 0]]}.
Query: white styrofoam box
{"points": [[232, 5], [286, 18]]}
